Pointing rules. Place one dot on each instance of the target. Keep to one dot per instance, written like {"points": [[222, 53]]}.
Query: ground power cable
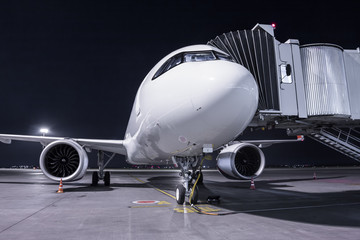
{"points": [[197, 209]]}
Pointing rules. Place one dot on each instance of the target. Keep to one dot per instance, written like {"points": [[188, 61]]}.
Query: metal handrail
{"points": [[348, 138]]}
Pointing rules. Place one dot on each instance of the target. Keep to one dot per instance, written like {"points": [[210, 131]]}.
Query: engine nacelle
{"points": [[241, 161], [64, 159]]}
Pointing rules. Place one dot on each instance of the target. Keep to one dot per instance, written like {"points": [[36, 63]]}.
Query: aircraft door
{"points": [[292, 97]]}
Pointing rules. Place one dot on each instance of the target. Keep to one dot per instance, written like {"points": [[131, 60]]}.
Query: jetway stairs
{"points": [[345, 141], [310, 89]]}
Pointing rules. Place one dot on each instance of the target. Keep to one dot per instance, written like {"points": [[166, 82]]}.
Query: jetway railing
{"points": [[349, 136], [346, 141]]}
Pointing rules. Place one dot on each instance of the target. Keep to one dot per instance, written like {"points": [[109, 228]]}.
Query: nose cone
{"points": [[227, 101]]}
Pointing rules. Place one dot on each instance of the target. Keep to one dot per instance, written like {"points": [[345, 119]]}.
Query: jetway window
{"points": [[285, 73]]}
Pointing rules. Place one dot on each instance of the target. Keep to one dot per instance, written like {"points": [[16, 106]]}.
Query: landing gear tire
{"points": [[195, 196], [107, 179], [95, 179], [180, 194], [200, 181]]}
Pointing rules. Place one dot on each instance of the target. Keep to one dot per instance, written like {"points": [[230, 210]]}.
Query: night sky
{"points": [[75, 66]]}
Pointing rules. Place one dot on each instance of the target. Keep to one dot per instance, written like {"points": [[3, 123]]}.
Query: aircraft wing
{"points": [[115, 146], [268, 143]]}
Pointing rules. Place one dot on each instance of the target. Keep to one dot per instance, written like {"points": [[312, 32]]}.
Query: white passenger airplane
{"points": [[194, 100]]}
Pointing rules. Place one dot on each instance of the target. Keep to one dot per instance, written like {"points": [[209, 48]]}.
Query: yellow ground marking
{"points": [[159, 204], [185, 209], [157, 189], [168, 194], [188, 209]]}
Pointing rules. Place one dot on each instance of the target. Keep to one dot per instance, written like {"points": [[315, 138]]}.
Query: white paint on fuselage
{"points": [[194, 103]]}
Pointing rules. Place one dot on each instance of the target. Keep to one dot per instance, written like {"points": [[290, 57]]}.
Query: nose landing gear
{"points": [[190, 174]]}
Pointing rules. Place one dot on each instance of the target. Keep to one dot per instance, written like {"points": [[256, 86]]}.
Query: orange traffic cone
{"points": [[60, 187], [314, 177], [252, 186]]}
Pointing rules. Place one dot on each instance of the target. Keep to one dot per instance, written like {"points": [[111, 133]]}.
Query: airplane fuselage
{"points": [[190, 98]]}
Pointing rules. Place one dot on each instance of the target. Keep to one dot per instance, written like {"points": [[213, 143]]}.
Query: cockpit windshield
{"points": [[223, 56], [191, 57], [199, 56]]}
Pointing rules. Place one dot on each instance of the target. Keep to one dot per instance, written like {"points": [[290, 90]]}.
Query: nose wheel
{"points": [[201, 178], [194, 195], [187, 189], [181, 193]]}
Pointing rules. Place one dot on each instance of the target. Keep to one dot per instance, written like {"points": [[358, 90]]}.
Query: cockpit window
{"points": [[174, 61], [223, 56], [170, 63], [198, 56], [191, 57]]}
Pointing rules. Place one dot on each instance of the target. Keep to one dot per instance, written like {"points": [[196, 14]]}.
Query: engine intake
{"points": [[241, 161], [64, 159]]}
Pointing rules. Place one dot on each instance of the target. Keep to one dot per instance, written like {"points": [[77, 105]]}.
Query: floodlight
{"points": [[44, 131]]}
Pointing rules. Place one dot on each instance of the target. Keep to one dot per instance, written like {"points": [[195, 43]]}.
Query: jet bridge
{"points": [[308, 89]]}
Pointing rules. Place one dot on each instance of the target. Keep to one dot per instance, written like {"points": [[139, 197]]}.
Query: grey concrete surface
{"points": [[287, 204]]}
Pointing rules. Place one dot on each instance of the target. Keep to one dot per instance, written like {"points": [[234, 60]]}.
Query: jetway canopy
{"points": [[352, 71], [300, 86], [255, 51]]}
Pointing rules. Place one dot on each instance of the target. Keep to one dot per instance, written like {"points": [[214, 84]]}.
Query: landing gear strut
{"points": [[101, 175], [189, 174]]}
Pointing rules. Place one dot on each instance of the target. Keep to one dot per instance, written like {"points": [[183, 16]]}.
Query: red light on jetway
{"points": [[273, 25]]}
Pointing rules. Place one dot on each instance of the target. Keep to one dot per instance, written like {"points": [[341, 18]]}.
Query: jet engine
{"points": [[241, 161], [64, 159]]}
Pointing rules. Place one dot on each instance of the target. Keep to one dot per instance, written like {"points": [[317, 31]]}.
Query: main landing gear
{"points": [[101, 175], [190, 174]]}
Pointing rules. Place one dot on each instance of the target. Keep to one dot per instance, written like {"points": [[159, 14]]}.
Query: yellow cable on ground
{"points": [[198, 210], [192, 191]]}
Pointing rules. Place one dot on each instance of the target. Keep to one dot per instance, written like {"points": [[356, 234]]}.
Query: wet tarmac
{"points": [[286, 204]]}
